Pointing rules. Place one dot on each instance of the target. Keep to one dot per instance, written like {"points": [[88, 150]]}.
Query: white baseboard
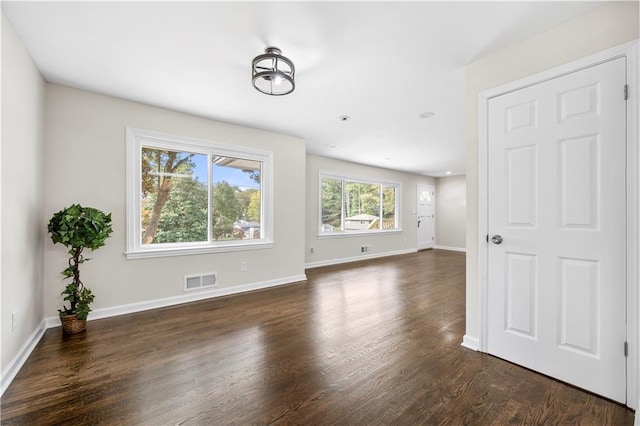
{"points": [[329, 262], [470, 342], [462, 249], [12, 369], [177, 300]]}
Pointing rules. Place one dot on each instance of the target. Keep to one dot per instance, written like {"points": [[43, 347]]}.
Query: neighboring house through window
{"points": [[351, 206]]}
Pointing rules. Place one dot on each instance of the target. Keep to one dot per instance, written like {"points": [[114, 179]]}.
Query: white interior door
{"points": [[556, 198], [426, 216]]}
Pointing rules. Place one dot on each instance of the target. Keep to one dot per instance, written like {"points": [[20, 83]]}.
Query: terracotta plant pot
{"points": [[71, 324]]}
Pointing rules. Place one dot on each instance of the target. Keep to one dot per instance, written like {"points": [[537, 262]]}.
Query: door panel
{"points": [[579, 305], [557, 197], [521, 291], [579, 163], [521, 181]]}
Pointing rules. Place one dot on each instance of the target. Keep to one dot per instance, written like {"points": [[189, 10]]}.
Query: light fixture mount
{"points": [[272, 73]]}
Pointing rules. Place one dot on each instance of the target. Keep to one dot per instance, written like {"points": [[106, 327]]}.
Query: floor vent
{"points": [[193, 282]]}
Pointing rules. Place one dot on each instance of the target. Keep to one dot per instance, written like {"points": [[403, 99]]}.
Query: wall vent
{"points": [[193, 282], [365, 249]]}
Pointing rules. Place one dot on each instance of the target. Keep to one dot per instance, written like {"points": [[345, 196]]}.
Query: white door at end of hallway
{"points": [[426, 216]]}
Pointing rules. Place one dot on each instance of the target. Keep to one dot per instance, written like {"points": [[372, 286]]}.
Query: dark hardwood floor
{"points": [[369, 343]]}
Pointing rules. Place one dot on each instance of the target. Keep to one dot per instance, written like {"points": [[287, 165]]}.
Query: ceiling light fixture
{"points": [[272, 73], [448, 172]]}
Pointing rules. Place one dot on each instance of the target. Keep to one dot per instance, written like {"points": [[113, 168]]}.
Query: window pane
{"points": [[236, 202], [362, 206], [331, 205], [389, 207], [174, 196]]}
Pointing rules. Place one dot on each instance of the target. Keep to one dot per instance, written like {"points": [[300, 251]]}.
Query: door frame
{"points": [[630, 52], [433, 222]]}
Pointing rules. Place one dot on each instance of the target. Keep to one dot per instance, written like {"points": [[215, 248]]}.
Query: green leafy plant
{"points": [[78, 228]]}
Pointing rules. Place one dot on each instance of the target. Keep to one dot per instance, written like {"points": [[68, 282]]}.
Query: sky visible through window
{"points": [[232, 175]]}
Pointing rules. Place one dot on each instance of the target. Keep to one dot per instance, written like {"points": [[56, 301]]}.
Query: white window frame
{"points": [[355, 179], [136, 140]]}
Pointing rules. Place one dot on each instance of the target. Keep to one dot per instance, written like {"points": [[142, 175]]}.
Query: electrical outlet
{"points": [[244, 265], [14, 320], [312, 250]]}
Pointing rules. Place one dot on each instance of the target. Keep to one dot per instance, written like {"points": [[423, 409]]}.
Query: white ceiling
{"points": [[381, 63]]}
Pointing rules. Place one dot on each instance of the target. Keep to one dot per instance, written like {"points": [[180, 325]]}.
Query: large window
{"points": [[187, 196], [355, 206]]}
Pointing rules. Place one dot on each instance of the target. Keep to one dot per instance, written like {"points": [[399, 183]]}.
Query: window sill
{"points": [[188, 251], [357, 233]]}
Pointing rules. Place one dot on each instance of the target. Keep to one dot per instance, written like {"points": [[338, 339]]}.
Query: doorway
{"points": [[426, 216], [557, 228], [558, 209]]}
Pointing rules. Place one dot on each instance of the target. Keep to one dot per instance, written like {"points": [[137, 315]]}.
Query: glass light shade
{"points": [[272, 73]]}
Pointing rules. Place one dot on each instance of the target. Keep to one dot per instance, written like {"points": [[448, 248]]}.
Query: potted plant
{"points": [[78, 228]]}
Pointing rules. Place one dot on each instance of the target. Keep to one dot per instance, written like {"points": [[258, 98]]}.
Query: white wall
{"points": [[607, 26], [21, 196], [85, 163], [451, 212], [329, 250]]}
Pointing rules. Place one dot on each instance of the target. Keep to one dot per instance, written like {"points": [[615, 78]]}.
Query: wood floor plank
{"points": [[368, 343]]}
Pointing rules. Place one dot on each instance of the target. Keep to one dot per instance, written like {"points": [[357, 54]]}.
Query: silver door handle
{"points": [[496, 239]]}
